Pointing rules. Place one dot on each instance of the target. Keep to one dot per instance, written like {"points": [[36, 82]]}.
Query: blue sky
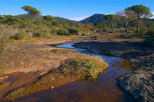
{"points": [[72, 9]]}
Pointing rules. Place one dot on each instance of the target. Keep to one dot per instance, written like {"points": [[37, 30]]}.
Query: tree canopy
{"points": [[111, 17], [49, 18], [141, 11], [31, 10]]}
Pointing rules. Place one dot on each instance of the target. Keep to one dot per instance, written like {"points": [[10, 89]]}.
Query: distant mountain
{"points": [[94, 19], [66, 21]]}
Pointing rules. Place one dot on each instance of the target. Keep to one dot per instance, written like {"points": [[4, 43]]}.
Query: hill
{"points": [[66, 21], [59, 19], [94, 19]]}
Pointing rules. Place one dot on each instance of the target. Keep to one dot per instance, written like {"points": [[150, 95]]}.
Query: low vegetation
{"points": [[33, 26], [87, 68], [77, 68], [63, 51], [133, 21]]}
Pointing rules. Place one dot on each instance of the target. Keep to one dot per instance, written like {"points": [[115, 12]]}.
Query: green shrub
{"points": [[150, 33], [49, 18], [62, 32], [9, 19], [39, 35], [18, 36], [55, 23], [86, 68], [150, 24], [73, 31], [140, 32], [149, 42]]}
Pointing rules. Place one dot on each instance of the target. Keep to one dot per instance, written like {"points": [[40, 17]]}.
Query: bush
{"points": [[39, 35], [150, 24], [140, 32], [62, 32], [49, 18], [85, 68], [149, 42], [55, 23], [150, 33], [73, 31], [8, 19], [18, 36]]}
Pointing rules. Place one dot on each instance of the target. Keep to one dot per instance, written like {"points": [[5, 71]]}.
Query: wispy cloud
{"points": [[152, 15], [79, 18]]}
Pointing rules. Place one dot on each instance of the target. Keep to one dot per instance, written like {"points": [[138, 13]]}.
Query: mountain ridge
{"points": [[94, 19]]}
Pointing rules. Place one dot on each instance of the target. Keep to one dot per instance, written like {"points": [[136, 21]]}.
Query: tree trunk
{"points": [[138, 23], [126, 26], [112, 30]]}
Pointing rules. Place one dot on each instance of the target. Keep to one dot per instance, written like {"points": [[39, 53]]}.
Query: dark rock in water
{"points": [[140, 84]]}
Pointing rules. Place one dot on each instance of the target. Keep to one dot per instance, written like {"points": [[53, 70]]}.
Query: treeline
{"points": [[32, 25], [133, 21]]}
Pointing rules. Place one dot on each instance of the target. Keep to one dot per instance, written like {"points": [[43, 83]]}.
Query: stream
{"points": [[104, 89]]}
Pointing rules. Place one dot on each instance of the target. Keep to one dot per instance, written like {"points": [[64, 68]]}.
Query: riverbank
{"points": [[140, 57], [35, 66], [21, 63], [103, 89]]}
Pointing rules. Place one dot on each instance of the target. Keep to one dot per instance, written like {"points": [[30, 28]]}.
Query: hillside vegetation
{"points": [[32, 26], [131, 22]]}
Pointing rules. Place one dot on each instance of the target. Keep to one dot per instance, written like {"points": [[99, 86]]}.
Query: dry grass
{"points": [[63, 51], [7, 30]]}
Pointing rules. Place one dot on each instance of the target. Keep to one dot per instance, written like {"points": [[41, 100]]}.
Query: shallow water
{"points": [[10, 80], [104, 89]]}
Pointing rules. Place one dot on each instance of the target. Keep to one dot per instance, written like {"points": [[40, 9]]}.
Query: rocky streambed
{"points": [[140, 83]]}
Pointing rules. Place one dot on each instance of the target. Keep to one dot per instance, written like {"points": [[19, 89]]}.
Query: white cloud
{"points": [[79, 18], [152, 15]]}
